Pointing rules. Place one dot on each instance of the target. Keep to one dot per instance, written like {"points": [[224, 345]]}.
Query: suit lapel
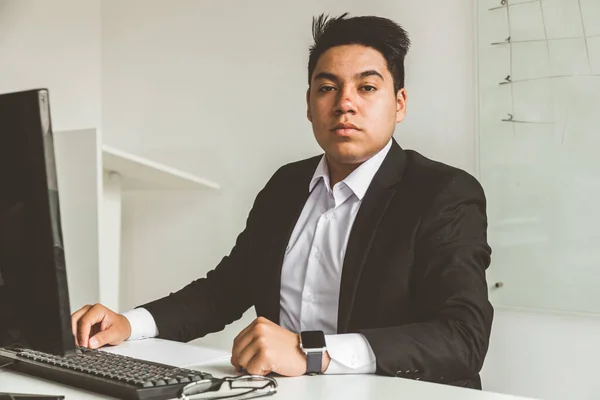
{"points": [[373, 207]]}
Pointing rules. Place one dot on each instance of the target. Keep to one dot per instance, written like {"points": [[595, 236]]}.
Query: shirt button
{"points": [[317, 255]]}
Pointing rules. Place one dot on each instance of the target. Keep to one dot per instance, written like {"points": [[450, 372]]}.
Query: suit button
{"points": [[399, 373], [309, 298]]}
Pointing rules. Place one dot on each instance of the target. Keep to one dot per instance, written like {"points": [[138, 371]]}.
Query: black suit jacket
{"points": [[413, 279]]}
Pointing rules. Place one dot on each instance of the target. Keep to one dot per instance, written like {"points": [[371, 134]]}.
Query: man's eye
{"points": [[326, 88], [369, 88]]}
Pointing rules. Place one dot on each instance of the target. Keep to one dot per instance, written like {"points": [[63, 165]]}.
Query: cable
{"points": [[7, 364]]}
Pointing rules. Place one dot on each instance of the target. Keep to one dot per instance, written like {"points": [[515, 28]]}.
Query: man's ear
{"points": [[308, 104], [401, 105]]}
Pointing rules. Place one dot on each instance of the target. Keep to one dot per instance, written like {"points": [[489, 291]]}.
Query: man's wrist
{"points": [[326, 362], [127, 326]]}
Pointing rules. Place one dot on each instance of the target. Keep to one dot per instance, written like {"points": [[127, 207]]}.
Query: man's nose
{"points": [[345, 102]]}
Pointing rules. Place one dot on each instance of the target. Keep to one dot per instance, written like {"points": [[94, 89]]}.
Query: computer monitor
{"points": [[34, 299]]}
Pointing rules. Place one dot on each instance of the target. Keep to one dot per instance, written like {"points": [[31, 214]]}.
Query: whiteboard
{"points": [[539, 150]]}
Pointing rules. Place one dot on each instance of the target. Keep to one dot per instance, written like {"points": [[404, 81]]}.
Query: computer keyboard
{"points": [[106, 373]]}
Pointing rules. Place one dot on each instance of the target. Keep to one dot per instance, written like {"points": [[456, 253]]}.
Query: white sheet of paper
{"points": [[169, 352]]}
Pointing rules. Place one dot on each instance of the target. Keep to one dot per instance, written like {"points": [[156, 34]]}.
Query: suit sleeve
{"points": [[448, 340], [209, 304]]}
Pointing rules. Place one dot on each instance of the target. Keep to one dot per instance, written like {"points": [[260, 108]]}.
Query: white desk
{"points": [[331, 387]]}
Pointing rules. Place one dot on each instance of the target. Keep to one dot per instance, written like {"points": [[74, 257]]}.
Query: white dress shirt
{"points": [[312, 268]]}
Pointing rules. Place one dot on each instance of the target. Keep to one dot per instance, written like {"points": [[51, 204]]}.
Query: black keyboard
{"points": [[106, 373]]}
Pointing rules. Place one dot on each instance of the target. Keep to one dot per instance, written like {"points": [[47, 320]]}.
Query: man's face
{"points": [[352, 104]]}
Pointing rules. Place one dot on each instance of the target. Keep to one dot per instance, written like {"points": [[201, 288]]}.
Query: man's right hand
{"points": [[94, 326]]}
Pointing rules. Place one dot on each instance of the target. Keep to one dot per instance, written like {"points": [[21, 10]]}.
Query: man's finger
{"points": [[242, 341], [235, 350], [75, 319], [105, 324], [93, 316], [259, 364], [233, 361], [101, 338], [244, 332], [244, 355]]}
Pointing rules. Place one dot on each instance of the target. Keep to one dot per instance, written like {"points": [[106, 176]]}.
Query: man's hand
{"points": [[94, 326], [264, 347]]}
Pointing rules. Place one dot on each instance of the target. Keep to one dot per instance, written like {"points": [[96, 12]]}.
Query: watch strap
{"points": [[313, 362]]}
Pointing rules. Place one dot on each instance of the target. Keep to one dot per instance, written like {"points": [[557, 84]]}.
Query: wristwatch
{"points": [[312, 343]]}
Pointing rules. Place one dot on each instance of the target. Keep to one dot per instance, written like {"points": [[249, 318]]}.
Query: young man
{"points": [[368, 259]]}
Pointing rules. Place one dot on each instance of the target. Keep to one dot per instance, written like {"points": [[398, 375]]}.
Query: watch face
{"points": [[313, 339]]}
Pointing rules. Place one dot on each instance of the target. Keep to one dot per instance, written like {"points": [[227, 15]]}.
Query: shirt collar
{"points": [[359, 180]]}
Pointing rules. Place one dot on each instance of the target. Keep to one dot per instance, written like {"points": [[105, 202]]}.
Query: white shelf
{"points": [[142, 174], [92, 179]]}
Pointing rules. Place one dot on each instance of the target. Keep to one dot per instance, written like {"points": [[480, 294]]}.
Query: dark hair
{"points": [[381, 34]]}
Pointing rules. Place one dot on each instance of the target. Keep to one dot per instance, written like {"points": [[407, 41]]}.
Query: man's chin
{"points": [[347, 155]]}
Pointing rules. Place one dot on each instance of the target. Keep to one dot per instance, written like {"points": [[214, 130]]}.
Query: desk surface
{"points": [[342, 387]]}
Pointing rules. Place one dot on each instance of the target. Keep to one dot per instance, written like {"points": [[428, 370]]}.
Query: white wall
{"points": [[544, 355], [56, 45]]}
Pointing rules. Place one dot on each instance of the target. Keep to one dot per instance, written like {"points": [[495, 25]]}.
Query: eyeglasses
{"points": [[238, 387]]}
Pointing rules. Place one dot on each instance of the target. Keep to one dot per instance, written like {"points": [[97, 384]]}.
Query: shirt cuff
{"points": [[142, 324], [350, 353]]}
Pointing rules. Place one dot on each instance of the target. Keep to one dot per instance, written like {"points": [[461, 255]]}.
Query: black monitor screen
{"points": [[34, 305]]}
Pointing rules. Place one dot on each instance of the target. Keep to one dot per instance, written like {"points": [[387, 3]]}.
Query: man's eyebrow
{"points": [[368, 73], [334, 78], [326, 75]]}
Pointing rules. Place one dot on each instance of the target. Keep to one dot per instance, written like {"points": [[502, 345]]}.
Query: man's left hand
{"points": [[264, 347]]}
